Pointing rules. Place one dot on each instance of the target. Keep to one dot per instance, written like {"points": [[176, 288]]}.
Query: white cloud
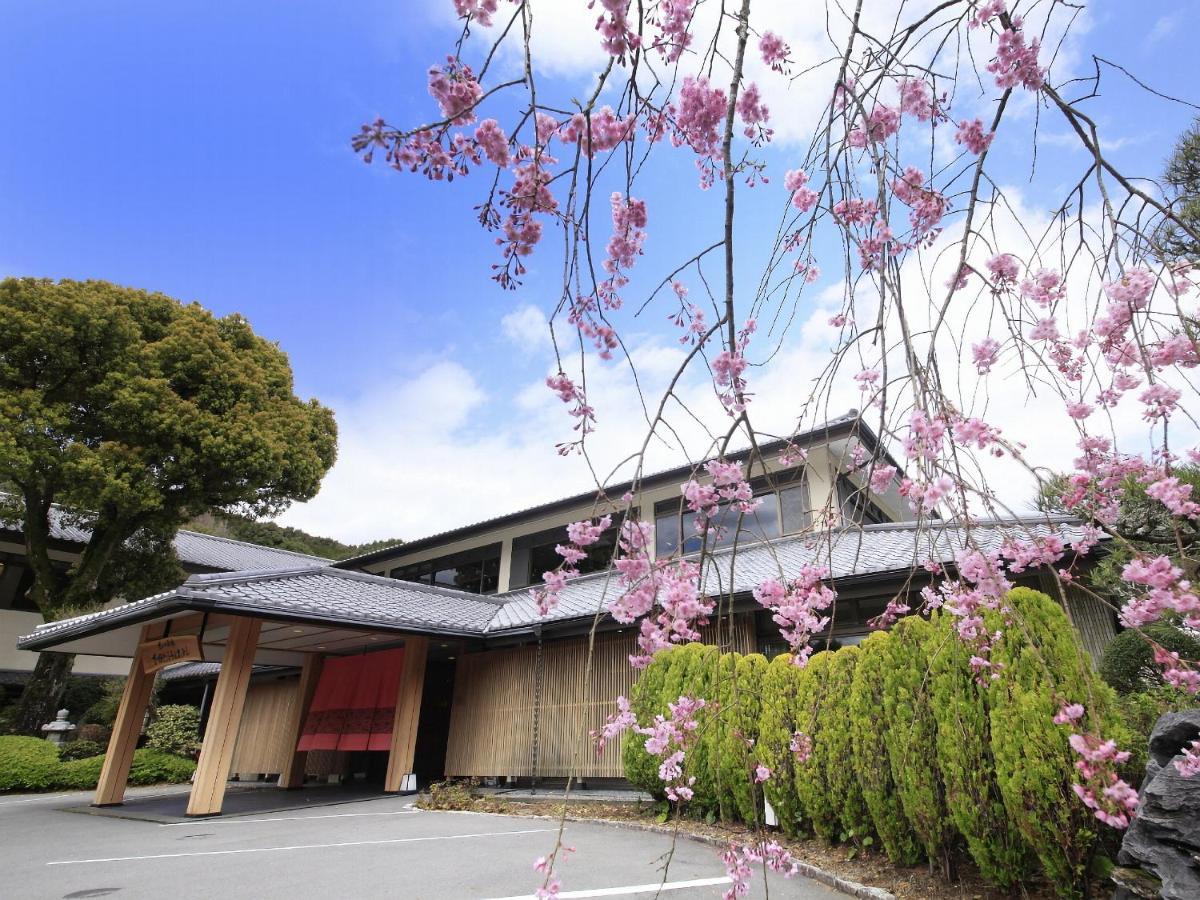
{"points": [[526, 327]]}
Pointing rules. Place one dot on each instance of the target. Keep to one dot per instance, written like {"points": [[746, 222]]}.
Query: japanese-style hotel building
{"points": [[430, 659]]}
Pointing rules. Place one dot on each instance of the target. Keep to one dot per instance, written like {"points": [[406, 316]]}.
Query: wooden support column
{"points": [[216, 754], [400, 775], [114, 774], [292, 775]]}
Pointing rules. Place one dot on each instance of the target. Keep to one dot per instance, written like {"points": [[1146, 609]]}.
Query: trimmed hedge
{"points": [[1128, 662], [912, 738], [33, 764], [1041, 666], [869, 736], [964, 754], [909, 744]]}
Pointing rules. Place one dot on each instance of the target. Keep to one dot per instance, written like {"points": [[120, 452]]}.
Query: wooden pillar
{"points": [[400, 775], [216, 754], [292, 775], [114, 774]]}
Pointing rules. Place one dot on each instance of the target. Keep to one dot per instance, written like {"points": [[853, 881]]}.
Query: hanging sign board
{"points": [[168, 651]]}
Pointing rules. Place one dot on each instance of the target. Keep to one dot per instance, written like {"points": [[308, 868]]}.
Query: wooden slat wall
{"points": [[1094, 621], [263, 737], [491, 721]]}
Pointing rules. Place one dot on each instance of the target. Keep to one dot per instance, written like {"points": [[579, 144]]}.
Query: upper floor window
{"points": [[534, 554], [784, 509], [476, 571], [857, 506]]}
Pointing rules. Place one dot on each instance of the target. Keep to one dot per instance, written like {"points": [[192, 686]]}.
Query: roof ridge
{"points": [[229, 540]]}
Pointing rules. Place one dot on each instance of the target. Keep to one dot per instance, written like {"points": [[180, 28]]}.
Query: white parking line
{"points": [[446, 837], [631, 889], [194, 823]]}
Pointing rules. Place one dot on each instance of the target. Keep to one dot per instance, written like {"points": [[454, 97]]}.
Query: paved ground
{"points": [[369, 848]]}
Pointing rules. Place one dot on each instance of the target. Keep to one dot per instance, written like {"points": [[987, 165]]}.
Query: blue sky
{"points": [[201, 149]]}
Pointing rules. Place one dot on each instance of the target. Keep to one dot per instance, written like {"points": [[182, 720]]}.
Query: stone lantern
{"points": [[56, 732]]}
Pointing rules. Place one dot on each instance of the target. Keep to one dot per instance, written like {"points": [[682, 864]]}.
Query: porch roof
{"points": [[343, 609]]}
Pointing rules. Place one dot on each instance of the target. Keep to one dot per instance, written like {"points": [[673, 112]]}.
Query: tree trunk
{"points": [[43, 692]]}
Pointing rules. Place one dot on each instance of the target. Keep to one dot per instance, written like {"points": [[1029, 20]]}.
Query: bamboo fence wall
{"points": [[526, 711], [264, 741]]}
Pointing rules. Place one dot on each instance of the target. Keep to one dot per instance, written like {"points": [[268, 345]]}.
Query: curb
{"points": [[845, 886]]}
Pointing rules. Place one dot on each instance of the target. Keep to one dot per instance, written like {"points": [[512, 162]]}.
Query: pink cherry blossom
{"points": [[984, 354], [479, 11], [972, 136], [774, 51], [455, 89], [1188, 762]]}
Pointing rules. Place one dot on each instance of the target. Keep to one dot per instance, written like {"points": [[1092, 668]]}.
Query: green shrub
{"points": [[844, 785], [80, 750], [912, 737], [1041, 666], [32, 764], [27, 764], [641, 769], [740, 753], [104, 710], [149, 767], [777, 722], [1128, 663], [964, 755], [1139, 712], [868, 737], [175, 729], [812, 777], [699, 677]]}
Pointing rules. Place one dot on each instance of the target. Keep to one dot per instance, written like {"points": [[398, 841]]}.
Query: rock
{"points": [[1163, 842], [1172, 732]]}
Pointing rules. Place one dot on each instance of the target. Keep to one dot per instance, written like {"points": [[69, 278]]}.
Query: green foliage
{"points": [[32, 764], [641, 769], [779, 684], [868, 737], [134, 413], [739, 752], [104, 710], [81, 694], [1041, 666], [27, 764], [175, 729], [1139, 712], [1182, 177], [812, 777], [80, 750], [1128, 663], [699, 677], [284, 537], [837, 737], [911, 737], [964, 755]]}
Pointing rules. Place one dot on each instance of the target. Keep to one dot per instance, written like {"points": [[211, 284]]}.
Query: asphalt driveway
{"points": [[381, 847]]}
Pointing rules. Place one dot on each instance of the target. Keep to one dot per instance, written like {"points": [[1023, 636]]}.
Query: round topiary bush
{"points": [[175, 729], [1128, 662], [869, 738]]}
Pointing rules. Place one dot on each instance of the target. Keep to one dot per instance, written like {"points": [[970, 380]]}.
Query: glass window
{"points": [[544, 558], [794, 509], [857, 507], [475, 571]]}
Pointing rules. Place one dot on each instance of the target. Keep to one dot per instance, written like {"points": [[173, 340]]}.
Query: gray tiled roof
{"points": [[196, 548], [355, 599], [846, 552]]}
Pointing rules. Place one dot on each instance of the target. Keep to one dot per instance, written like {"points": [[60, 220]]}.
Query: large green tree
{"points": [[127, 413], [1182, 176]]}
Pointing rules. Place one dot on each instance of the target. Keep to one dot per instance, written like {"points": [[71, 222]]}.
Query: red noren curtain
{"points": [[355, 703]]}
